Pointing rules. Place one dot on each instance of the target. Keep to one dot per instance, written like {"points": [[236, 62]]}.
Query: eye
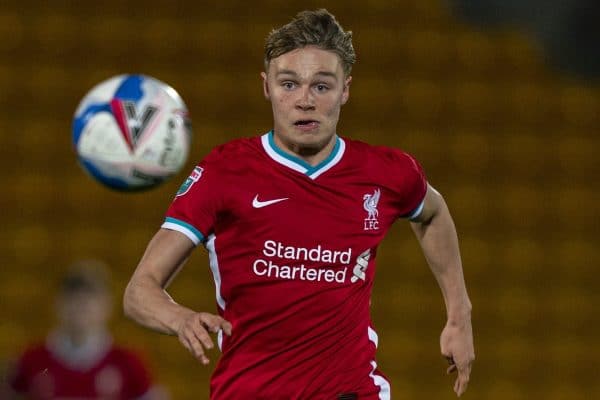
{"points": [[322, 87], [288, 85]]}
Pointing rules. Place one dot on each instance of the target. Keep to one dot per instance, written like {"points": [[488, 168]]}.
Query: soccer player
{"points": [[292, 221], [79, 359]]}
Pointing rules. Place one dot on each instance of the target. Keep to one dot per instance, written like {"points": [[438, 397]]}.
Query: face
{"points": [[307, 88], [83, 313]]}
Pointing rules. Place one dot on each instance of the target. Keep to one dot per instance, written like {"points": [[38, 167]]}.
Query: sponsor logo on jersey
{"points": [[265, 267], [333, 265], [370, 206], [362, 262], [260, 204], [193, 178]]}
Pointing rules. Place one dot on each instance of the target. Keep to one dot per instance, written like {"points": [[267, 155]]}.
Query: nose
{"points": [[306, 101]]}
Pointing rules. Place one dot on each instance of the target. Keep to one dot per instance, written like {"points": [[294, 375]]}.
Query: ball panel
{"points": [[79, 122], [102, 93], [176, 99], [101, 139], [104, 176], [130, 88], [166, 147]]}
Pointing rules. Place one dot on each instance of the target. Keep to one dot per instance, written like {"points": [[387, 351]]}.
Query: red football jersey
{"points": [[292, 249], [114, 373]]}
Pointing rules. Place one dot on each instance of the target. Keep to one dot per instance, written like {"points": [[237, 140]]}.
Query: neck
{"points": [[75, 337], [79, 350], [313, 155]]}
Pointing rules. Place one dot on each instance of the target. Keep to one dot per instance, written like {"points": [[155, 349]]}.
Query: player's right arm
{"points": [[147, 302]]}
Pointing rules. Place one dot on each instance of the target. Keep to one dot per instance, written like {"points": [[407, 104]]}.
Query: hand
{"points": [[456, 342], [194, 330]]}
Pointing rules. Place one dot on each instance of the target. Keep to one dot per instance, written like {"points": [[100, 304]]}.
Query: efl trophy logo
{"points": [[193, 178]]}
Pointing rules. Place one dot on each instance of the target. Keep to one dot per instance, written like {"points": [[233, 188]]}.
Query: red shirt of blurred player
{"points": [[78, 359]]}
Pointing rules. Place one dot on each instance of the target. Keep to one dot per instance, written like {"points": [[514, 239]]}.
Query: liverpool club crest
{"points": [[370, 206]]}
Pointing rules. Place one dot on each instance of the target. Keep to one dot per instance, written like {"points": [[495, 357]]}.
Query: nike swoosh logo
{"points": [[260, 204]]}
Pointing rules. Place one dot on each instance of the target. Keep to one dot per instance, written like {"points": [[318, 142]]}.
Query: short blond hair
{"points": [[312, 28]]}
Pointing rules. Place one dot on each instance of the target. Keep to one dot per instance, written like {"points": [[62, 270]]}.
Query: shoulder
{"points": [[31, 361], [234, 150], [381, 156], [35, 352], [393, 169], [133, 360], [125, 354]]}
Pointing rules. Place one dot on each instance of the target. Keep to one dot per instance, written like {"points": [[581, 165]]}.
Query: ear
{"points": [[346, 92], [265, 85]]}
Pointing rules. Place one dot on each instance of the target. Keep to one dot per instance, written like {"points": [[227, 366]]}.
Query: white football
{"points": [[132, 132]]}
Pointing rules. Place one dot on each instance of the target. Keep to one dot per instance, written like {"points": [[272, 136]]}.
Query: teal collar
{"points": [[298, 164]]}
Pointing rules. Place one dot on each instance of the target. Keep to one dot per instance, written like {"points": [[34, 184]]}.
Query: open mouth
{"points": [[306, 125], [305, 122]]}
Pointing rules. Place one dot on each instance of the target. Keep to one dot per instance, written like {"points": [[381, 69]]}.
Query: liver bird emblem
{"points": [[370, 204]]}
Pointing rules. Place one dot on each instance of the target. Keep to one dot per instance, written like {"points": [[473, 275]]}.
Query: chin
{"points": [[309, 138], [312, 145]]}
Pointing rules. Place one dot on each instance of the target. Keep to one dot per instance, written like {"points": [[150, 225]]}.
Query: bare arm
{"points": [[436, 233], [147, 302]]}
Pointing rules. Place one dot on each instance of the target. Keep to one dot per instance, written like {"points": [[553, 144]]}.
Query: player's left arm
{"points": [[437, 236]]}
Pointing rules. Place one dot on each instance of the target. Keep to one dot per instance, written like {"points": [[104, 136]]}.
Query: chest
{"points": [[284, 204]]}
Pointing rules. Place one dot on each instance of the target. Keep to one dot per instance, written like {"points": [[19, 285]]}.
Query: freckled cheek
{"points": [[283, 99]]}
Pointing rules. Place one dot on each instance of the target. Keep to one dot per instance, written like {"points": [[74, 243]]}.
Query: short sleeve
{"points": [[409, 183], [196, 204]]}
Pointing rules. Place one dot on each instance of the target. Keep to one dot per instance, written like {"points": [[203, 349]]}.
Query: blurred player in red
{"points": [[292, 221], [79, 359]]}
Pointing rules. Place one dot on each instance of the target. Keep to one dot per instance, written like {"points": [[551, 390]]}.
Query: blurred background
{"points": [[498, 100]]}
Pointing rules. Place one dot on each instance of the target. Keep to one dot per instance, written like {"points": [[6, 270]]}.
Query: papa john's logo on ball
{"points": [[370, 205], [193, 178]]}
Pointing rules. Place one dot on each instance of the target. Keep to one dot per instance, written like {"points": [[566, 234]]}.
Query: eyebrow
{"points": [[293, 73]]}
